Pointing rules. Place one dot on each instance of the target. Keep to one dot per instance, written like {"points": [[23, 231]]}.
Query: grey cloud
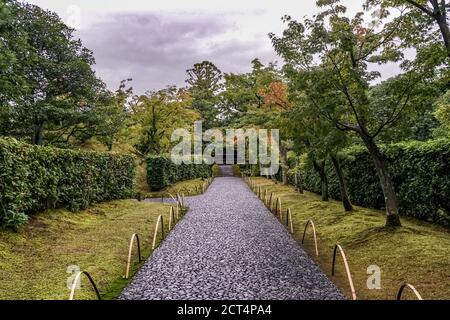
{"points": [[156, 49]]}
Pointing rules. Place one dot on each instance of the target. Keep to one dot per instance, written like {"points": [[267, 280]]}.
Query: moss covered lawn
{"points": [[417, 253], [34, 262], [188, 188]]}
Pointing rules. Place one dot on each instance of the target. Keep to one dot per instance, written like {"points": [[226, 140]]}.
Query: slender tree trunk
{"points": [[320, 168], [38, 133], [284, 166], [390, 198], [342, 185], [298, 182], [441, 18], [445, 34]]}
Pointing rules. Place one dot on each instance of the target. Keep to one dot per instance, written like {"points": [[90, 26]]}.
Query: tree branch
{"points": [[421, 7]]}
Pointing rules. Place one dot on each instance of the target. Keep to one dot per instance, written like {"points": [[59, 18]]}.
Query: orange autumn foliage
{"points": [[275, 95]]}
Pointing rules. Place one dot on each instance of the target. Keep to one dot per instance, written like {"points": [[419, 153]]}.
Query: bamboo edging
{"points": [[173, 198], [74, 285], [130, 250], [269, 205], [178, 211], [277, 211], [160, 221], [347, 269], [289, 220], [407, 285], [310, 222], [171, 218]]}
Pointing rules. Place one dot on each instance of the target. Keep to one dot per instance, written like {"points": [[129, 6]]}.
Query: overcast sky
{"points": [[155, 41]]}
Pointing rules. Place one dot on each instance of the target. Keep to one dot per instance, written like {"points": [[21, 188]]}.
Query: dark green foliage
{"points": [[162, 172], [420, 171], [35, 178]]}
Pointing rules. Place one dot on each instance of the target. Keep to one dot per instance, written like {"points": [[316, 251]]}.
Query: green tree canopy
{"points": [[205, 81]]}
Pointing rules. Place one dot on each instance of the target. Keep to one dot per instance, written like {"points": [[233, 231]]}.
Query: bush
{"points": [[237, 170], [162, 172], [216, 171], [36, 178], [420, 171]]}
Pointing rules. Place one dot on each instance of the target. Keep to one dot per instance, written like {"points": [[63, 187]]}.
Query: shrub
{"points": [[162, 172], [216, 171], [237, 170], [36, 178], [420, 171]]}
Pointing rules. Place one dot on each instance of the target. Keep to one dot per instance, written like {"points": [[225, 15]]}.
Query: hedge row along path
{"points": [[229, 246]]}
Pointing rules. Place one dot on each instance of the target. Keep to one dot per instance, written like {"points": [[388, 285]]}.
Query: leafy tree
{"points": [[156, 115], [205, 81], [320, 140], [13, 83], [57, 87], [427, 21], [327, 58], [238, 96], [244, 94], [418, 122], [442, 113], [112, 116]]}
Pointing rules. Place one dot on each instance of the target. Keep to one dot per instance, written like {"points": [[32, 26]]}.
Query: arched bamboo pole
{"points": [[158, 222], [270, 202], [130, 250], [74, 285], [289, 220], [310, 222], [171, 218], [179, 199], [170, 195], [278, 208], [177, 211], [347, 269], [407, 285]]}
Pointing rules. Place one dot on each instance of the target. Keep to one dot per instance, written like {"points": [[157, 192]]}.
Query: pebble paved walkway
{"points": [[229, 246]]}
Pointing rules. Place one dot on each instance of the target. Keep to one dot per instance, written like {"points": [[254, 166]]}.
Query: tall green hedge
{"points": [[35, 178], [162, 172], [421, 174]]}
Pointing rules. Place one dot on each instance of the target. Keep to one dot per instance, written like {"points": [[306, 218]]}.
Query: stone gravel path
{"points": [[229, 246]]}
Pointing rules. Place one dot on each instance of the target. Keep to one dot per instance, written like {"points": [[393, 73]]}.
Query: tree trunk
{"points": [[38, 133], [320, 168], [298, 182], [441, 19], [445, 34], [390, 198], [284, 166], [342, 185]]}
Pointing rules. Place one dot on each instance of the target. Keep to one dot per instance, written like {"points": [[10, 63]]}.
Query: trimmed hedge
{"points": [[420, 171], [162, 172], [36, 178]]}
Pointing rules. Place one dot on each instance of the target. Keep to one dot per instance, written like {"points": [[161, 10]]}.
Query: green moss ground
{"points": [[417, 253], [33, 262]]}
